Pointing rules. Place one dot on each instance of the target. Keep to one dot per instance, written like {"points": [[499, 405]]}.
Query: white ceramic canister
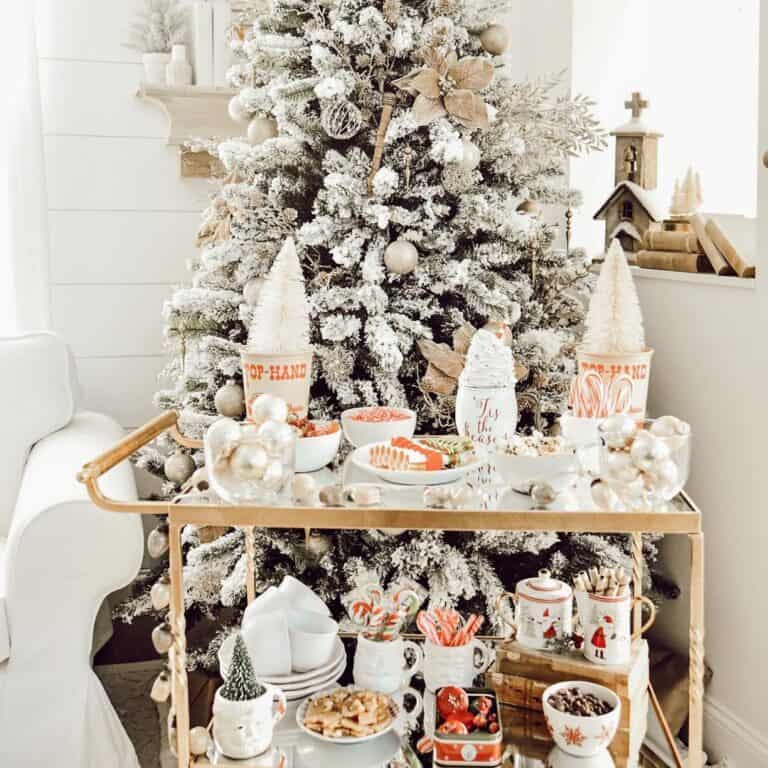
{"points": [[607, 623], [543, 610], [243, 729], [486, 414]]}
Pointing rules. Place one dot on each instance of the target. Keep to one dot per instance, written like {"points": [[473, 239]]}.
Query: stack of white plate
{"points": [[296, 685]]}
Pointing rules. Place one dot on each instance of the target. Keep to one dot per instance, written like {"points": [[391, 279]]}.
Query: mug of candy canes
{"points": [[386, 666]]}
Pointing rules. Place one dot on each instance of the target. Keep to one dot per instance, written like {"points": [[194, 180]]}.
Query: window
{"points": [[627, 210]]}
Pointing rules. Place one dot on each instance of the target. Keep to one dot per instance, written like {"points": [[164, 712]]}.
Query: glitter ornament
{"points": [[249, 462], [268, 408], [341, 119], [230, 400], [500, 330], [252, 291], [157, 541], [160, 594], [495, 39], [262, 128], [237, 110], [401, 257], [471, 156], [162, 638], [199, 741], [178, 467]]}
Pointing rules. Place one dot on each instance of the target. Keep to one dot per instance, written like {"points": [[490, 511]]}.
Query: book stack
{"points": [[697, 244]]}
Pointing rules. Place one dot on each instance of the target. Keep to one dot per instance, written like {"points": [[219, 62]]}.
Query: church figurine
{"points": [[632, 210]]}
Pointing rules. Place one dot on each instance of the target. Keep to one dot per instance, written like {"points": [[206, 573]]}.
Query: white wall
{"points": [[122, 220]]}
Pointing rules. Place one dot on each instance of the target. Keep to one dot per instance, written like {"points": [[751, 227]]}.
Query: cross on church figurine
{"points": [[637, 104]]}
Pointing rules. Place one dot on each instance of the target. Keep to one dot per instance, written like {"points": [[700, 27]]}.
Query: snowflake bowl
{"points": [[579, 735]]}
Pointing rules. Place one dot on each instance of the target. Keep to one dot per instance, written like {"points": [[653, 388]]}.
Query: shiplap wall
{"points": [[122, 221]]}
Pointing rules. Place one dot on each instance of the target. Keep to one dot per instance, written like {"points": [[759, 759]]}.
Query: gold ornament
{"points": [[230, 400], [495, 39], [401, 257], [445, 86], [262, 128]]}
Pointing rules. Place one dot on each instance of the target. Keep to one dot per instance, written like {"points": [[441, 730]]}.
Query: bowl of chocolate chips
{"points": [[582, 717]]}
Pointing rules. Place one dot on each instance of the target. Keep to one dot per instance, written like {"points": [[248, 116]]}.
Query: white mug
{"points": [[313, 639], [243, 729], [455, 665], [382, 666], [607, 626]]}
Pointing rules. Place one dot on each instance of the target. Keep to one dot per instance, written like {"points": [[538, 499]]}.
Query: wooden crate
{"points": [[520, 676]]}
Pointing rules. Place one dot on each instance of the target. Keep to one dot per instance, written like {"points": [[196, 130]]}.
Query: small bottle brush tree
{"points": [[241, 683], [614, 323]]}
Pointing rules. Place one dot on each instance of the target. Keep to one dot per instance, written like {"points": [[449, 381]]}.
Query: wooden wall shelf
{"points": [[194, 112]]}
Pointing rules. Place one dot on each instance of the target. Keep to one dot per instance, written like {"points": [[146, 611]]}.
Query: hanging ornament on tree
{"points": [[262, 128], [401, 257], [341, 119], [230, 400], [530, 208], [495, 39], [157, 541], [199, 741], [237, 110], [470, 158], [161, 688], [252, 291], [500, 330], [179, 467], [162, 638], [160, 594], [318, 545]]}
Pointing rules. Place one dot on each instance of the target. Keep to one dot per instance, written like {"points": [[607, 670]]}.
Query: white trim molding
{"points": [[728, 736]]}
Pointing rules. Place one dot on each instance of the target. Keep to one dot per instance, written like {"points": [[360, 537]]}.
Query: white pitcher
{"points": [[383, 666]]}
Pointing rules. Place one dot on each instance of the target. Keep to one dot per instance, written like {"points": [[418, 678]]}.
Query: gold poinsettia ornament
{"points": [[446, 85]]}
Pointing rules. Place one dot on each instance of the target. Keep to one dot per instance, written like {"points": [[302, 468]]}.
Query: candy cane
{"points": [[594, 394], [407, 602], [620, 395], [361, 611], [427, 625]]}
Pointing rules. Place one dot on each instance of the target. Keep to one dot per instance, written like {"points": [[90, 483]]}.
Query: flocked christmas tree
{"points": [[241, 683], [388, 140]]}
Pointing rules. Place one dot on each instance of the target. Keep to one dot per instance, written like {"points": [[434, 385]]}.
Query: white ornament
{"points": [[664, 476], [648, 451], [276, 437], [262, 128], [179, 467], [275, 475], [667, 426], [237, 110], [618, 430], [620, 468], [401, 257], [495, 39], [471, 156], [269, 408], [252, 291], [230, 401], [162, 638], [249, 462], [341, 119], [160, 594], [318, 545], [304, 490], [161, 688], [157, 541], [199, 741], [603, 496]]}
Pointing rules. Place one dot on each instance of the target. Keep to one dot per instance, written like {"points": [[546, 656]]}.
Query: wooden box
{"points": [[520, 676]]}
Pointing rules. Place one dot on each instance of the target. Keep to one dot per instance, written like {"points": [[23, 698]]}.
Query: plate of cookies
{"points": [[348, 715]]}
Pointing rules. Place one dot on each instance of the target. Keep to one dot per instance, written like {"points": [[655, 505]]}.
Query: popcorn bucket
{"points": [[286, 375], [636, 365]]}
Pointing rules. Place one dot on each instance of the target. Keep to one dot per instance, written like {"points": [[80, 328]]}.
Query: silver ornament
{"points": [[230, 400], [249, 462], [262, 128], [341, 119], [179, 467], [161, 688], [277, 437], [495, 39], [471, 156], [401, 257], [162, 638], [237, 110], [268, 408], [199, 741], [157, 541], [252, 291], [160, 594], [275, 476]]}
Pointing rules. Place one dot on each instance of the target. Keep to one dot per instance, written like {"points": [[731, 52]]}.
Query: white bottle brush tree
{"points": [[614, 323], [241, 683]]}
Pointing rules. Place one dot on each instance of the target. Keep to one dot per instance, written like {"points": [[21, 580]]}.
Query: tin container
{"points": [[479, 745]]}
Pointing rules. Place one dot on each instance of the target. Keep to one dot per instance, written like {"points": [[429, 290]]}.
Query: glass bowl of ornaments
{"points": [[252, 461], [644, 463]]}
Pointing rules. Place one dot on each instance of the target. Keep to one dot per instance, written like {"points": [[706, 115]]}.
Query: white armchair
{"points": [[60, 557]]}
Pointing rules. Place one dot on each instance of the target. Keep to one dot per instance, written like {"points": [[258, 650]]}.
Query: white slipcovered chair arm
{"points": [[64, 555]]}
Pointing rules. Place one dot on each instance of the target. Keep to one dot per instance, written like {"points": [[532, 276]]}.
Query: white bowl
{"points": [[313, 453], [521, 472], [577, 735], [364, 432]]}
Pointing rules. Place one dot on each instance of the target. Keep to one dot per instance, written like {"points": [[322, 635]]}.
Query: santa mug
{"points": [[383, 666], [455, 664], [607, 626], [543, 610]]}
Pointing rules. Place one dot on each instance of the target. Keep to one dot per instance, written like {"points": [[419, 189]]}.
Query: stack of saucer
{"points": [[292, 641]]}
